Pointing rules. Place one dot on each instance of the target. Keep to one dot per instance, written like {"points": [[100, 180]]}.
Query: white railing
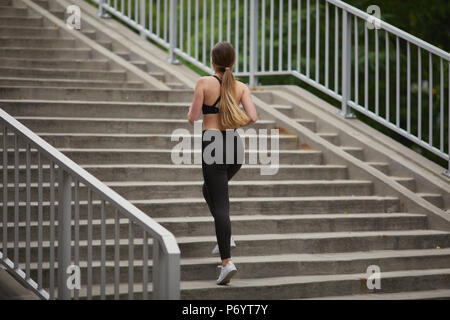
{"points": [[328, 44], [85, 207]]}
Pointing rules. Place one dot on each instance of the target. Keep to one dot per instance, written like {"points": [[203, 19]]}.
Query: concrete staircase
{"points": [[309, 231]]}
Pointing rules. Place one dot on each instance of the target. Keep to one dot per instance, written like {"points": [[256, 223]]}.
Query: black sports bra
{"points": [[212, 109]]}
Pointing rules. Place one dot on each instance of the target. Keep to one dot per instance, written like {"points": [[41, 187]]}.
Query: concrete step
{"points": [[56, 63], [164, 156], [60, 14], [133, 141], [42, 3], [94, 94], [43, 32], [9, 11], [271, 244], [176, 85], [259, 267], [35, 42], [73, 83], [140, 64], [407, 182], [170, 172], [315, 286], [11, 21], [382, 166], [308, 123], [442, 294], [434, 198], [331, 137], [91, 109], [38, 53], [115, 125], [134, 190], [91, 34], [63, 74], [252, 224], [123, 54], [196, 207], [6, 3], [285, 109], [158, 75], [354, 151]]}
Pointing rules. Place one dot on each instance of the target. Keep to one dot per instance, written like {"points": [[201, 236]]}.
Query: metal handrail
{"points": [[166, 253], [177, 29]]}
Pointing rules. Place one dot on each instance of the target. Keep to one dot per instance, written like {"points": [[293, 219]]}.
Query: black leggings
{"points": [[215, 187]]}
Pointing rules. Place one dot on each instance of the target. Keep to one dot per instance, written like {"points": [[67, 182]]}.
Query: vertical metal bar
{"points": [[280, 39], [308, 37], [158, 271], [145, 266], [387, 77], [143, 17], [102, 250], [5, 192], [366, 67], [263, 35], [289, 51], [419, 93], [441, 115], [181, 31], [245, 53], [430, 98], [116, 254], [317, 40], [40, 221], [28, 212], [237, 36], [408, 88], [336, 52], [130, 260], [101, 9], [196, 30], [229, 20], [150, 16], [299, 35], [271, 35], [166, 19], [52, 230], [355, 22], [16, 201], [220, 20], [212, 23], [129, 9], [346, 62], [327, 52], [158, 15], [189, 28], [447, 173], [397, 86], [173, 30], [89, 244], [136, 15], [205, 21], [253, 42], [64, 232], [77, 230], [376, 74]]}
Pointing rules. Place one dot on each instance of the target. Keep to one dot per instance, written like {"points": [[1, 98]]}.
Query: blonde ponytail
{"points": [[231, 116]]}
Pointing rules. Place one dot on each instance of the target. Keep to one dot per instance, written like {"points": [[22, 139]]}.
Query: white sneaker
{"points": [[216, 248], [226, 273]]}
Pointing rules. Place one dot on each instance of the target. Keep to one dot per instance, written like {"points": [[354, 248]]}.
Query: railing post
{"points": [[64, 232], [346, 64], [253, 80], [101, 10], [143, 17], [173, 31], [166, 273]]}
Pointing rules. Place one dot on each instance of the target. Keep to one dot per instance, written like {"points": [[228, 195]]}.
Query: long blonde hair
{"points": [[223, 57]]}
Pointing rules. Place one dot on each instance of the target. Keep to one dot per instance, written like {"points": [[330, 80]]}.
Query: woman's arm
{"points": [[249, 107], [196, 106]]}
